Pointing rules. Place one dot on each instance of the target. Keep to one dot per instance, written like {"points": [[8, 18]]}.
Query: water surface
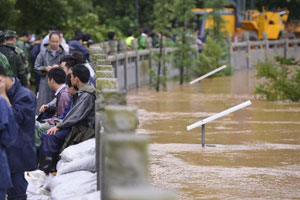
{"points": [[255, 152]]}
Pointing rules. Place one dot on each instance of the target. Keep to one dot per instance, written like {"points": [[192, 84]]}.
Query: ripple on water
{"points": [[256, 155], [222, 182]]}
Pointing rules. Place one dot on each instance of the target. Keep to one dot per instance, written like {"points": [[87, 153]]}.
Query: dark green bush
{"points": [[213, 56]]}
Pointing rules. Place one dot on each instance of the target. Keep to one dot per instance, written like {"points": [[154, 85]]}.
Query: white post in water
{"points": [[208, 74], [216, 116]]}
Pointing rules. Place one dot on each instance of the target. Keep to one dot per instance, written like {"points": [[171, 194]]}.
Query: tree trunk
{"points": [[159, 62], [182, 56]]}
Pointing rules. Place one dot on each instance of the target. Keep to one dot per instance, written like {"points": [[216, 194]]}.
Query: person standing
{"points": [[16, 63], [142, 42], [46, 42], [76, 45], [21, 155], [23, 42], [46, 60], [8, 133], [129, 39], [11, 41]]}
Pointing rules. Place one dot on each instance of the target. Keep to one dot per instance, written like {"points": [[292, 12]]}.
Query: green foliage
{"points": [[122, 14], [280, 81], [162, 25], [213, 56], [39, 14], [8, 14], [286, 61], [163, 58], [216, 49], [163, 79], [184, 55], [87, 23], [218, 31], [68, 15]]}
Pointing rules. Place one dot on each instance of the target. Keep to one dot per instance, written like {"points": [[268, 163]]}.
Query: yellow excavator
{"points": [[255, 23]]}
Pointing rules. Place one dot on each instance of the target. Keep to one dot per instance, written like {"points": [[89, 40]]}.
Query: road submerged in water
{"points": [[254, 152]]}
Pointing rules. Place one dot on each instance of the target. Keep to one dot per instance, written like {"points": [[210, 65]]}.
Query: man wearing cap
{"points": [[11, 40], [14, 58]]}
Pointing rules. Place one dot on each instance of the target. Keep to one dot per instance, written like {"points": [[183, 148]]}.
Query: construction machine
{"points": [[253, 22]]}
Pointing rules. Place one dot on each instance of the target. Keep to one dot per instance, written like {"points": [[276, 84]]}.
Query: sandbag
{"points": [[35, 189], [85, 164], [73, 184], [78, 151]]}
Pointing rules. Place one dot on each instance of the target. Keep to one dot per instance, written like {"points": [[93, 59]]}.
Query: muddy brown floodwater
{"points": [[257, 149]]}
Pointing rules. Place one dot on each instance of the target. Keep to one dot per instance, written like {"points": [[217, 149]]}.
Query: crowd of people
{"points": [[36, 127]]}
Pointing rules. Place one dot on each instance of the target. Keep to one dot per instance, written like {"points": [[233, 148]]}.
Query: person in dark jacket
{"points": [[8, 133], [82, 113], [80, 59], [71, 91], [76, 45], [14, 58], [21, 154]]}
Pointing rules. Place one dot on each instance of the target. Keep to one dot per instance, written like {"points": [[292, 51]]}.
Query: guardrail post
{"points": [[230, 49], [150, 65], [137, 71], [203, 135], [286, 46], [295, 48], [214, 117], [265, 38], [126, 71], [248, 51]]}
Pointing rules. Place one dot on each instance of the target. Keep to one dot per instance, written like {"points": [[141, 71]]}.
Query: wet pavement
{"points": [[253, 153]]}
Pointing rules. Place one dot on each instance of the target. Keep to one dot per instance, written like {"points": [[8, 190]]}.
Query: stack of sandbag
{"points": [[35, 189], [76, 177]]}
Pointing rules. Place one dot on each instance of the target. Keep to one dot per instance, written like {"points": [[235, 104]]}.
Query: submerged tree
{"points": [[184, 58], [217, 31], [162, 25], [216, 51]]}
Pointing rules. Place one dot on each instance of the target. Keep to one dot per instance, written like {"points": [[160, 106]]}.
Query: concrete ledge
{"points": [[105, 74], [120, 119], [106, 83]]}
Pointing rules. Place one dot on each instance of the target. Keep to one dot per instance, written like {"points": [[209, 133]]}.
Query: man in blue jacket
{"points": [[8, 133], [21, 155]]}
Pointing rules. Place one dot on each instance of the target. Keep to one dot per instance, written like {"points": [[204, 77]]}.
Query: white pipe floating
{"points": [[221, 114], [208, 74]]}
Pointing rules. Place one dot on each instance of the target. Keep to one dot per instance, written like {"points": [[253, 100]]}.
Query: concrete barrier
{"points": [[121, 156], [131, 66]]}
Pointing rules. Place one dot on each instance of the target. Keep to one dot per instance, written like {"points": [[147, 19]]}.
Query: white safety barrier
{"points": [[216, 116], [208, 74]]}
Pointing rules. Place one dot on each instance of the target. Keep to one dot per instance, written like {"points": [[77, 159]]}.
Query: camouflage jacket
{"points": [[22, 54], [6, 65], [16, 62]]}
